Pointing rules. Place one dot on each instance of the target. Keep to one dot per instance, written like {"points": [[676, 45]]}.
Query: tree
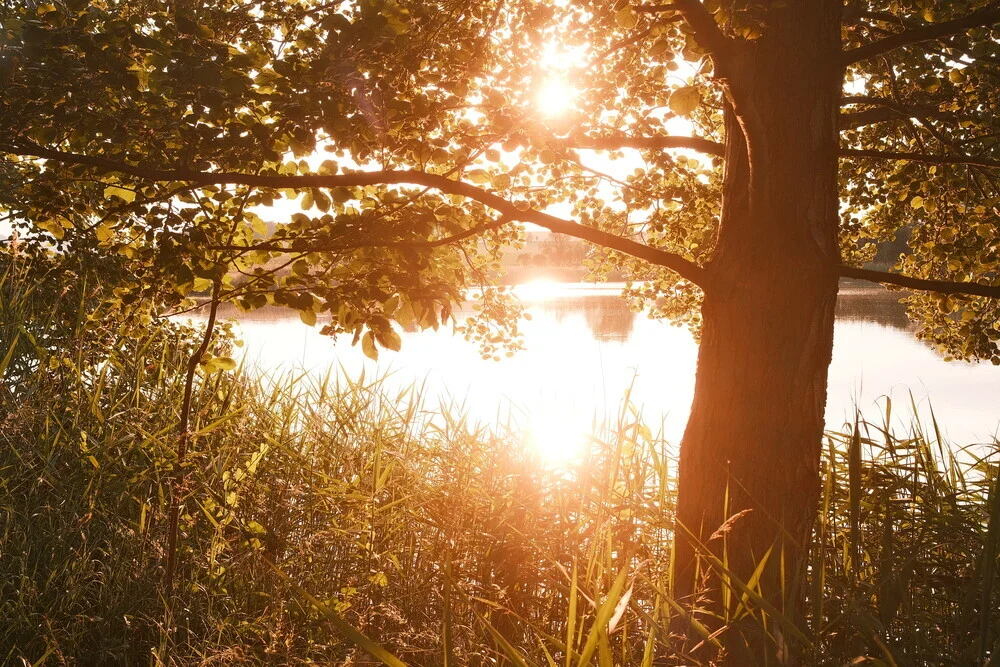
{"points": [[155, 131]]}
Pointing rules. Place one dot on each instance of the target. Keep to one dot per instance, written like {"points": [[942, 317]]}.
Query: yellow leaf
{"points": [[114, 191], [225, 363], [308, 317], [103, 233], [685, 100], [52, 227], [626, 18], [368, 346], [917, 202]]}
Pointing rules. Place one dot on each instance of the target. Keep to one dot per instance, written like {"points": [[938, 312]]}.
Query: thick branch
{"points": [[683, 267], [660, 142], [706, 30], [920, 284], [920, 157], [985, 16]]}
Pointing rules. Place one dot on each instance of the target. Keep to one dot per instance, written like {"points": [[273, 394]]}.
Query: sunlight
{"points": [[559, 438], [555, 97], [540, 289]]}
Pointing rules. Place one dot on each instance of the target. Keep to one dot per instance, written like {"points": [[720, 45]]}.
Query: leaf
{"points": [[479, 176], [308, 317], [103, 233], [322, 201], [685, 100], [52, 227], [626, 18], [225, 363], [368, 346], [389, 339], [917, 202], [115, 191], [619, 610]]}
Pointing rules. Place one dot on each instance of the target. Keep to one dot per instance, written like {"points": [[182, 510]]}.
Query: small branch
{"points": [[683, 267], [851, 121], [179, 477], [920, 157], [656, 9], [269, 246], [885, 110], [920, 284], [660, 142], [985, 16]]}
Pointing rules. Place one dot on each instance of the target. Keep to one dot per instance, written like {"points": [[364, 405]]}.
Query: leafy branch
{"points": [[508, 209], [921, 284], [986, 16]]}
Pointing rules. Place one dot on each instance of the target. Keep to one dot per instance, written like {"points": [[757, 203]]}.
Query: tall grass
{"points": [[317, 508]]}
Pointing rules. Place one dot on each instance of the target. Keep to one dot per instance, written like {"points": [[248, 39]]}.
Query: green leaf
{"points": [[685, 100]]}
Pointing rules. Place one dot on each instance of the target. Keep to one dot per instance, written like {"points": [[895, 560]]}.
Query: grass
{"points": [[326, 520]]}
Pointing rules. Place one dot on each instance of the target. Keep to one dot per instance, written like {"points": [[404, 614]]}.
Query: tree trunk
{"points": [[754, 435]]}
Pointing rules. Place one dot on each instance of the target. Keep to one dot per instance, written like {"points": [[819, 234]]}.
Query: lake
{"points": [[585, 350]]}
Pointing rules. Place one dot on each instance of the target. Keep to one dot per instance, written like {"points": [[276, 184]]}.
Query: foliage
{"points": [[139, 108]]}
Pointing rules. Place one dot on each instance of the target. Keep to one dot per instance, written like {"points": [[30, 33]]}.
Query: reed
{"points": [[349, 520]]}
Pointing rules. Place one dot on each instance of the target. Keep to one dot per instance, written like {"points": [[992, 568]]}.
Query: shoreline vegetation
{"points": [[318, 508]]}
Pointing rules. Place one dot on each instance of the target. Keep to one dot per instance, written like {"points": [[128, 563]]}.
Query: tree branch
{"points": [[660, 142], [985, 16], [885, 110], [270, 246], [656, 9], [920, 157], [706, 30], [920, 284], [683, 267]]}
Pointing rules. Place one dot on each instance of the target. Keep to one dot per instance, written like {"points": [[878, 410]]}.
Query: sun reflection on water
{"points": [[559, 437]]}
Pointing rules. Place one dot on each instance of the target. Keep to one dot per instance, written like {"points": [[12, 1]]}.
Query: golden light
{"points": [[540, 289], [559, 437], [555, 97]]}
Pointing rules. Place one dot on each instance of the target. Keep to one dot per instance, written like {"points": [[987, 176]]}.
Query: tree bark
{"points": [[754, 435]]}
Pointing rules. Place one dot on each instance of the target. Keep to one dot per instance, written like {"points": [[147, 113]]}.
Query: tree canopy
{"points": [[410, 135]]}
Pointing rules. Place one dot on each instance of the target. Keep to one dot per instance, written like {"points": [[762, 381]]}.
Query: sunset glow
{"points": [[558, 437], [555, 97], [541, 289]]}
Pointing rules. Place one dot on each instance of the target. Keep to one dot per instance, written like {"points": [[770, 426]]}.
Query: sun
{"points": [[555, 96]]}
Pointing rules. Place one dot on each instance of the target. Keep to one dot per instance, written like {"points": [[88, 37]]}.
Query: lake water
{"points": [[585, 349]]}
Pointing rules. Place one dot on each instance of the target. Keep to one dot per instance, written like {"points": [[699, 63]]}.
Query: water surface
{"points": [[585, 349]]}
